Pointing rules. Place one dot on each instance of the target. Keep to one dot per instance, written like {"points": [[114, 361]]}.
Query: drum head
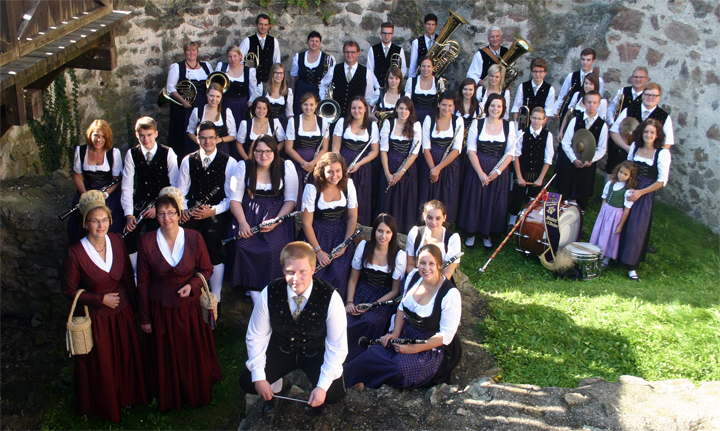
{"points": [[570, 223], [583, 249]]}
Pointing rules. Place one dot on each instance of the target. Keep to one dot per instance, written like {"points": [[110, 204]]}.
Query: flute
{"points": [[335, 251], [404, 162], [141, 216], [259, 227], [354, 162], [369, 305], [449, 147], [77, 207], [198, 204], [502, 159], [317, 151], [364, 342]]}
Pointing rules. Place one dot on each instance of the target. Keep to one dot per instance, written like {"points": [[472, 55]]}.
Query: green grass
{"points": [[223, 413], [555, 332]]}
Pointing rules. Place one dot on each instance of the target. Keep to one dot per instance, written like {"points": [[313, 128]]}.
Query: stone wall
{"points": [[676, 39]]}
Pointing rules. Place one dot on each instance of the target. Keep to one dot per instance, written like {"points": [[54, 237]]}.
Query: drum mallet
{"points": [[518, 223]]}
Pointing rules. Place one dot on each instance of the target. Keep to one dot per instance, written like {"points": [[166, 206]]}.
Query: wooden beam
{"points": [[33, 104], [14, 103], [34, 14]]}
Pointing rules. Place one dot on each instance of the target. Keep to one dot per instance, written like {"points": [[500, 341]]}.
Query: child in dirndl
{"points": [[615, 210]]}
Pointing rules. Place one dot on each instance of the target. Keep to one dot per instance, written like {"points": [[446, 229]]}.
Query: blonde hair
{"points": [[145, 123], [494, 69], [283, 84], [297, 250], [92, 200]]}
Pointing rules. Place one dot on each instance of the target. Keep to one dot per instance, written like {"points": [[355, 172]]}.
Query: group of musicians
{"points": [[346, 144]]}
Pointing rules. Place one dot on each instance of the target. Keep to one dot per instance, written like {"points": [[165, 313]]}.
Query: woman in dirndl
{"points": [[259, 123], [221, 116], [423, 90], [467, 108], [351, 137], [430, 311], [111, 375], [378, 266], [238, 94], [180, 358], [493, 84], [96, 165], [307, 138], [439, 170], [262, 188], [329, 217], [653, 169], [279, 94], [433, 231], [399, 139], [486, 193]]}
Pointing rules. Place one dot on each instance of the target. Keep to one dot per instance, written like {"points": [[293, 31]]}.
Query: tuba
{"points": [[518, 48], [185, 88], [444, 51], [220, 78]]}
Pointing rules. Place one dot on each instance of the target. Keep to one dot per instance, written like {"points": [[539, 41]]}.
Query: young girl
{"points": [[278, 93], [493, 85], [434, 215], [222, 118], [615, 210]]}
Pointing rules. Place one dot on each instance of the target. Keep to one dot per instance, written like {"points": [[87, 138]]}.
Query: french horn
{"points": [[220, 78], [185, 88]]}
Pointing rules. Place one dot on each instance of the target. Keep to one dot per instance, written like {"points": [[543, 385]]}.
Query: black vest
{"points": [[430, 323], [628, 99], [337, 213], [423, 101], [382, 63], [307, 334], [307, 141], [271, 129], [199, 85], [149, 179], [442, 142], [237, 89], [533, 152], [96, 176], [534, 100], [266, 55], [314, 75], [635, 111], [202, 181], [345, 91], [489, 61], [398, 145], [492, 147], [644, 170], [422, 48], [595, 129], [352, 144]]}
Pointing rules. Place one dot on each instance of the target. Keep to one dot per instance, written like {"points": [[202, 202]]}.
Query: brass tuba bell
{"points": [[444, 51], [220, 78], [518, 48]]}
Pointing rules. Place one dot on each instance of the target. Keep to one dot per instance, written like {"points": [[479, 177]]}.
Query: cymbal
{"points": [[583, 143], [628, 125]]}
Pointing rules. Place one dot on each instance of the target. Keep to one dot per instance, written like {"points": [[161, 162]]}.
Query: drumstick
{"points": [[288, 398], [519, 222], [589, 250]]}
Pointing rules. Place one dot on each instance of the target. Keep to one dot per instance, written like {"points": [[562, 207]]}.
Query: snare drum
{"points": [[531, 236], [587, 257]]}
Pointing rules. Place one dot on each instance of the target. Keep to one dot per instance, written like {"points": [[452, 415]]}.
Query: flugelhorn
{"points": [[523, 119], [518, 48], [444, 51], [186, 89], [396, 60], [328, 108]]}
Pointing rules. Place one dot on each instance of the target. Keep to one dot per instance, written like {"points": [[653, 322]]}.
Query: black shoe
{"points": [[272, 406], [650, 249], [320, 410]]}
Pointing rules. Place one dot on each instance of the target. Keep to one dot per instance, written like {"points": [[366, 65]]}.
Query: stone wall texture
{"points": [[676, 39]]}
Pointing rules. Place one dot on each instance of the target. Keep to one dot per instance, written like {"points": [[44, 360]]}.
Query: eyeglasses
{"points": [[386, 33], [265, 152], [651, 96], [350, 52], [169, 214], [207, 138], [639, 77]]}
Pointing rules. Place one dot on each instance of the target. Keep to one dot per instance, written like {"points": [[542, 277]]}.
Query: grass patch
{"points": [[555, 332]]}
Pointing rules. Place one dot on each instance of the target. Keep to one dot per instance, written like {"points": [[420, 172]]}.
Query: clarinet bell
{"points": [[364, 342]]}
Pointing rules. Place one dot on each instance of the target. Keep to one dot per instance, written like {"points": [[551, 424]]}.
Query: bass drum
{"points": [[531, 236]]}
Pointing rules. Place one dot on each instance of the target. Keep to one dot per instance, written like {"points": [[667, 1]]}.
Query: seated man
{"points": [[299, 322]]}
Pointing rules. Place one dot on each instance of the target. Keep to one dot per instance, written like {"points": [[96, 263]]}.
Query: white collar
{"points": [[386, 46], [348, 67], [536, 86], [174, 257], [431, 38], [105, 265], [645, 109], [260, 37], [587, 117], [152, 151], [534, 132], [211, 156], [306, 294], [636, 94]]}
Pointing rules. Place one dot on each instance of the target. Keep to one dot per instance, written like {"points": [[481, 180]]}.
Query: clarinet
{"points": [[371, 305], [354, 162], [449, 147], [266, 223], [452, 260], [338, 249], [77, 207], [317, 151], [198, 204], [404, 162], [141, 216], [505, 156], [364, 342]]}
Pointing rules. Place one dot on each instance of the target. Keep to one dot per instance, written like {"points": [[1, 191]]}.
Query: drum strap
{"points": [[551, 220]]}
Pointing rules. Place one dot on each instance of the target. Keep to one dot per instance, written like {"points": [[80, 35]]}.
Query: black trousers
{"points": [[132, 238], [520, 196], [213, 230], [575, 183], [279, 364]]}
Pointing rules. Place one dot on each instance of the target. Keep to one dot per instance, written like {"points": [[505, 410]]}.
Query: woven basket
{"points": [[208, 302], [78, 337]]}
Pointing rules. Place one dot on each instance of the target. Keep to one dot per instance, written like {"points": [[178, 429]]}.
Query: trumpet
{"points": [[185, 88], [396, 60]]}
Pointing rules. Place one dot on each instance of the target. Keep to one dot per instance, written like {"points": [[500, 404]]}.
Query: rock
{"points": [[478, 392], [628, 51], [628, 20], [573, 398], [711, 78], [462, 412], [354, 8], [653, 57], [431, 395], [589, 381], [632, 380], [681, 33], [370, 23], [39, 339], [36, 321], [250, 401], [713, 132], [612, 75], [493, 372]]}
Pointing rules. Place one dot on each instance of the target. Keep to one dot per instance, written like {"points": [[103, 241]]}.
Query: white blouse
{"points": [[289, 181], [116, 168], [396, 135], [664, 161], [105, 265], [219, 67], [243, 130], [290, 132], [310, 192], [295, 68], [472, 139], [194, 121], [400, 262], [409, 90], [449, 133], [191, 74], [454, 243], [174, 257], [348, 134], [451, 308], [617, 186]]}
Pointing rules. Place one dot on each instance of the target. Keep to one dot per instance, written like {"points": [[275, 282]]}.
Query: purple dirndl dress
{"points": [[255, 261], [362, 178], [401, 200], [329, 226], [305, 146], [447, 188], [425, 104], [484, 209], [607, 222], [380, 365]]}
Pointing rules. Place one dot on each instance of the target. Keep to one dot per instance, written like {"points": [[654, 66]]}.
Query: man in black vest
{"points": [[265, 46], [299, 322], [574, 81], [380, 55], [486, 57], [535, 92], [200, 173], [575, 178], [630, 94], [641, 112], [150, 167], [422, 44], [349, 79]]}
